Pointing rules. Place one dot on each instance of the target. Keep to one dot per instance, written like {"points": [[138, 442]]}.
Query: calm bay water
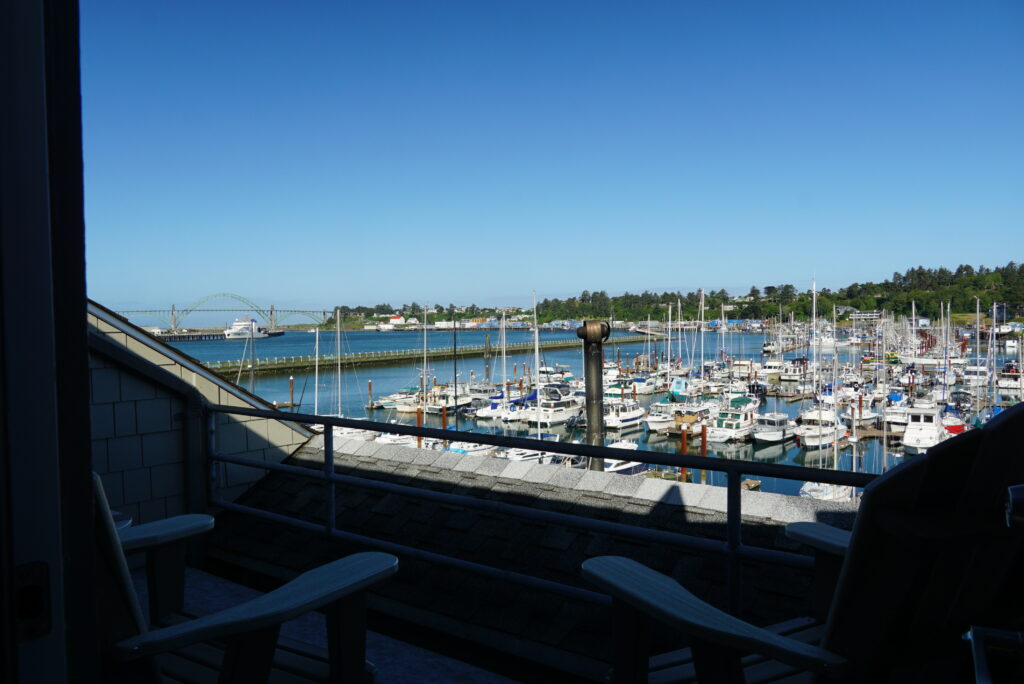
{"points": [[347, 391]]}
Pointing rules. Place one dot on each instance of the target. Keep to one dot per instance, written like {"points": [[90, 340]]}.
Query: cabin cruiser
{"points": [[793, 372], [819, 428], [924, 429], [773, 368], [533, 455], [735, 421], [976, 376], [773, 427], [689, 415], [896, 418], [621, 414], [551, 407], [443, 398], [860, 414]]}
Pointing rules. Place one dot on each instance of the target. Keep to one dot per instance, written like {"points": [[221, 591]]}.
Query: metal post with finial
{"points": [[593, 334]]}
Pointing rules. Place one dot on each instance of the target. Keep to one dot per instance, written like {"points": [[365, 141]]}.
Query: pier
{"points": [[302, 364], [207, 336]]}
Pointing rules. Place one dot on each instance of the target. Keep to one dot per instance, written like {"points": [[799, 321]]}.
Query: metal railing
{"points": [[732, 548], [355, 357]]}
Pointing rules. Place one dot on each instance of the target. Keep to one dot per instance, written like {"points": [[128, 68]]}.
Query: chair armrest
{"points": [[159, 532], [820, 536], [661, 597], [309, 591]]}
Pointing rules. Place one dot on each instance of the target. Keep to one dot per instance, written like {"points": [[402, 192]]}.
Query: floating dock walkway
{"points": [[302, 364]]}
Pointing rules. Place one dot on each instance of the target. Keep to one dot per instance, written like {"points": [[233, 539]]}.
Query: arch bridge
{"points": [[174, 317]]}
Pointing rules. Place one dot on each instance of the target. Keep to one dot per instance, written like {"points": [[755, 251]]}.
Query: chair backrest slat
{"points": [[116, 602], [930, 555]]}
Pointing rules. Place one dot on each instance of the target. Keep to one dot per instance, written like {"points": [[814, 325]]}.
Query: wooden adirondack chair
{"points": [[930, 555], [245, 637]]}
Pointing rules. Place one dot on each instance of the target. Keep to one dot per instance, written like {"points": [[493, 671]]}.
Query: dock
{"points": [[206, 336], [302, 364]]}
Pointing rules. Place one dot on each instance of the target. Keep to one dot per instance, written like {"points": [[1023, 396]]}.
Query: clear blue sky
{"points": [[321, 153]]}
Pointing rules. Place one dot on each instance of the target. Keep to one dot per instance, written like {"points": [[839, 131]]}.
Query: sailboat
{"points": [[337, 432]]}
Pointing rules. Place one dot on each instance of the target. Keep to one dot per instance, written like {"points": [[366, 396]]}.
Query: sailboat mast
{"points": [[504, 366], [702, 333], [423, 372], [316, 373], [814, 339], [337, 356], [536, 362], [669, 345]]}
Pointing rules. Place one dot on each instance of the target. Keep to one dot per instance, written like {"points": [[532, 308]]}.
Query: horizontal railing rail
{"points": [[732, 547]]}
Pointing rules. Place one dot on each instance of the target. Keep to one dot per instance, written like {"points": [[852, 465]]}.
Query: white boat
{"points": [[622, 414], [896, 419], [532, 455], [976, 376], [826, 492], [392, 438], [444, 398], [819, 428], [861, 414], [773, 427], [793, 372], [773, 368], [735, 421], [245, 329], [353, 433], [470, 448], [924, 429], [623, 467]]}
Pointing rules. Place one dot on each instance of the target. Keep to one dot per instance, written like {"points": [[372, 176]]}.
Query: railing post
{"points": [[593, 334], [733, 537], [213, 478], [329, 502]]}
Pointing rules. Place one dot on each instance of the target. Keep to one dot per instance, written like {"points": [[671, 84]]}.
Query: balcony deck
{"points": [[396, 661]]}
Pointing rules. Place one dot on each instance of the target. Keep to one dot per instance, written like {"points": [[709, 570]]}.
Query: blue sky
{"points": [[321, 153]]}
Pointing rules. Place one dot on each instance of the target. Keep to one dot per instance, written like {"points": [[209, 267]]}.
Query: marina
{"points": [[638, 369]]}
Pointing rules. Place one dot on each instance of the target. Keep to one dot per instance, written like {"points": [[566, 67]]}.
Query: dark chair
{"points": [[234, 645], [930, 555]]}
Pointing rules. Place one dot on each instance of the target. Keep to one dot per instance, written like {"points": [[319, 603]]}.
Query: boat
{"points": [[773, 427], [245, 329], [826, 492], [532, 455], [924, 429], [819, 428], [976, 376], [895, 418], [622, 414], [862, 415], [735, 422]]}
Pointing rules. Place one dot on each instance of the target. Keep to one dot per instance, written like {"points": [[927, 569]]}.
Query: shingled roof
{"points": [[563, 633]]}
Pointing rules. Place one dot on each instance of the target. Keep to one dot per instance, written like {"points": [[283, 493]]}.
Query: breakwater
{"points": [[301, 364]]}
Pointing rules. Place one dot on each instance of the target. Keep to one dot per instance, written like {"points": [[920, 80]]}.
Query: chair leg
{"points": [[346, 639], [248, 658], [716, 664], [826, 576], [631, 650], [165, 581]]}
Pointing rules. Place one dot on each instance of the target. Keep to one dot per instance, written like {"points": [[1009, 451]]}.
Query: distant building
{"points": [[865, 315]]}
